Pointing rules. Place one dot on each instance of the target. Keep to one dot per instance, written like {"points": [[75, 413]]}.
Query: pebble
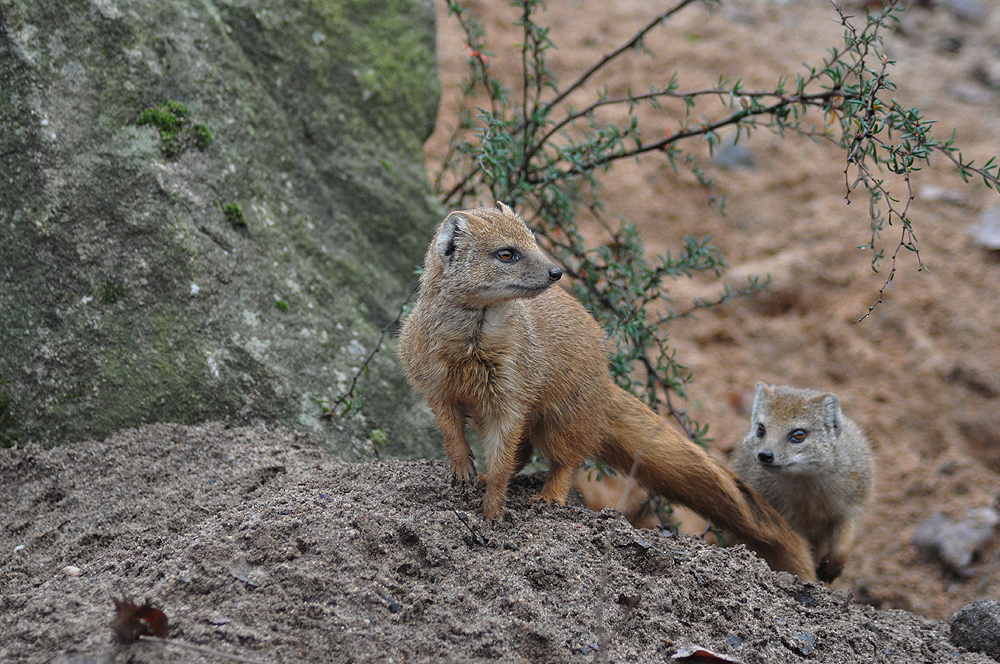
{"points": [[985, 231], [933, 192], [976, 627], [71, 570], [971, 11], [732, 155], [807, 642]]}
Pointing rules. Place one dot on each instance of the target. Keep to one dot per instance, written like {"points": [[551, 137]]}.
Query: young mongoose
{"points": [[812, 464], [489, 341]]}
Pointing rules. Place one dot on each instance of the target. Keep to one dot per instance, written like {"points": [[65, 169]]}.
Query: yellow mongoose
{"points": [[489, 341], [812, 464]]}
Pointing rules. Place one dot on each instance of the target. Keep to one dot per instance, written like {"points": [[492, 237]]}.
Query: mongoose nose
{"points": [[554, 273], [765, 456]]}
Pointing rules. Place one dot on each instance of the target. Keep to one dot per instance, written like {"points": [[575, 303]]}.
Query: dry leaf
{"points": [[132, 621], [697, 655]]}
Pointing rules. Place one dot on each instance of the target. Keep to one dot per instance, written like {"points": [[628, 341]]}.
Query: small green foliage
{"points": [[202, 136], [177, 131], [8, 421], [281, 305], [112, 290], [325, 410], [234, 213], [175, 108], [379, 438]]}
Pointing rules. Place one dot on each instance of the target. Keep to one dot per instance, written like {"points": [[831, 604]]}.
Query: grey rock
{"points": [[985, 231], [956, 542], [733, 154], [970, 11], [976, 627], [129, 293]]}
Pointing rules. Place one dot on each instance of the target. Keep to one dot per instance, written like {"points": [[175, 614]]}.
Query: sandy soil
{"points": [[256, 544], [922, 375]]}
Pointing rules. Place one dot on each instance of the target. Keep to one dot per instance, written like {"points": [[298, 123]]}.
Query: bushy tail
{"points": [[674, 467]]}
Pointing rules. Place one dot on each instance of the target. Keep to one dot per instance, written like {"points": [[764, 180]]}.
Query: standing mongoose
{"points": [[489, 341], [812, 464]]}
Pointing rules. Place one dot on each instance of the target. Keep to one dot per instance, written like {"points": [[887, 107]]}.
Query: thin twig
{"points": [[637, 38], [818, 100], [329, 412]]}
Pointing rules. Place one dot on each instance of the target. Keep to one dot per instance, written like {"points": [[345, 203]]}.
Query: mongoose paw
{"points": [[542, 498], [829, 569], [491, 507], [467, 475]]}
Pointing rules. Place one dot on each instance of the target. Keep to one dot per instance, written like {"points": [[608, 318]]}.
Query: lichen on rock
{"points": [[128, 297]]}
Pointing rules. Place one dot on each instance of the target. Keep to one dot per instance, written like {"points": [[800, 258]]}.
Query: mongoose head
{"points": [[487, 256], [793, 430]]}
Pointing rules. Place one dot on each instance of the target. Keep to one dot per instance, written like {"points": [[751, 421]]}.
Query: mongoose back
{"points": [[812, 464], [490, 342]]}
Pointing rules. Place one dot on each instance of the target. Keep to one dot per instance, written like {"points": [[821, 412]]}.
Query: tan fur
{"points": [[489, 342], [820, 484], [622, 494]]}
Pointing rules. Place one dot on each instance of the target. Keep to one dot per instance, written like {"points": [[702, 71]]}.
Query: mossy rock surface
{"points": [[129, 295]]}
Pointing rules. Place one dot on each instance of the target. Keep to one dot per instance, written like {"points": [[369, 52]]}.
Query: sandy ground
{"points": [[922, 375], [256, 544]]}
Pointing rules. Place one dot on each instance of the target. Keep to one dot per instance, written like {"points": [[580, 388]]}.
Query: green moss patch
{"points": [[234, 213], [112, 290], [178, 132]]}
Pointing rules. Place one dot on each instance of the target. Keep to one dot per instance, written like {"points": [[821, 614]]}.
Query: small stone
{"points": [[970, 11], [71, 570], [933, 192], [956, 543], [807, 642], [976, 627], [732, 154], [986, 231]]}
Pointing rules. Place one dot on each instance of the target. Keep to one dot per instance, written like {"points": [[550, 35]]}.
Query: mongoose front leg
{"points": [[502, 445], [831, 563], [451, 420]]}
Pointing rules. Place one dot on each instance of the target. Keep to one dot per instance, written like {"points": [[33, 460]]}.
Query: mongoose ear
{"points": [[449, 235], [831, 408], [505, 209], [761, 392]]}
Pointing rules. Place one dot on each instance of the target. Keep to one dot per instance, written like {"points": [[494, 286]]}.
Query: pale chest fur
{"points": [[813, 505], [474, 358]]}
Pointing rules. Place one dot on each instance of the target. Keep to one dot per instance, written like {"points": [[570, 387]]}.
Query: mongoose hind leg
{"points": [[558, 482]]}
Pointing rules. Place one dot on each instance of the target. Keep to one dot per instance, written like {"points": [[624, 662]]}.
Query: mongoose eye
{"points": [[507, 255], [761, 431], [797, 436]]}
